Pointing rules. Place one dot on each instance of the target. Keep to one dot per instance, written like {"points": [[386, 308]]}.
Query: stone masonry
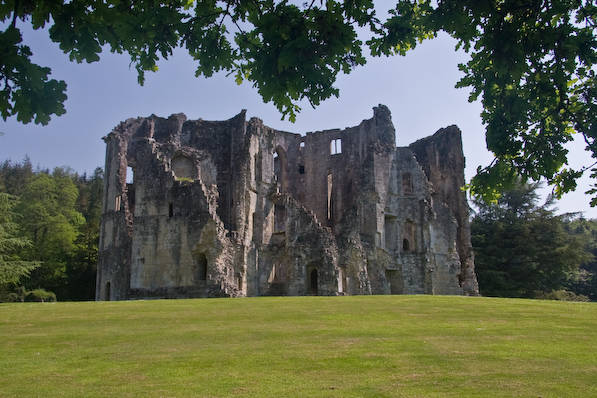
{"points": [[235, 208]]}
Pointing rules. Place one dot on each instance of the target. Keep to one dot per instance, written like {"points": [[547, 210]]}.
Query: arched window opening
{"points": [[301, 145], [405, 245], [276, 166], [170, 210], [201, 267], [409, 237], [107, 292], [117, 201], [280, 167]]}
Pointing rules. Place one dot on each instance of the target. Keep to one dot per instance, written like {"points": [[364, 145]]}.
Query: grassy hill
{"points": [[364, 346]]}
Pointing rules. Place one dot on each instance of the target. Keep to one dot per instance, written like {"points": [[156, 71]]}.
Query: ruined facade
{"points": [[235, 208]]}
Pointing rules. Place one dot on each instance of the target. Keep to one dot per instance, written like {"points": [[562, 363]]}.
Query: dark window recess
{"points": [[301, 169], [170, 210], [107, 292], [405, 245]]}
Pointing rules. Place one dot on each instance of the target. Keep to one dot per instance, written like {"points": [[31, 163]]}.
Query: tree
{"points": [[14, 176], [51, 222], [522, 249], [585, 281], [81, 267], [56, 218], [12, 267], [531, 61]]}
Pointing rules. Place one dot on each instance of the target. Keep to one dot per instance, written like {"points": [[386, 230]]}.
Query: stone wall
{"points": [[235, 208]]}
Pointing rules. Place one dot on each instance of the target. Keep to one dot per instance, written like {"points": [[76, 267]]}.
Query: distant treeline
{"points": [[49, 235]]}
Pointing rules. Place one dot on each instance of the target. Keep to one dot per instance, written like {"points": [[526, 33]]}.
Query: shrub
{"points": [[40, 295], [562, 295]]}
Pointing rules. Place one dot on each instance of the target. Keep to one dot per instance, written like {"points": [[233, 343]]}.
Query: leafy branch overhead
{"points": [[531, 61]]}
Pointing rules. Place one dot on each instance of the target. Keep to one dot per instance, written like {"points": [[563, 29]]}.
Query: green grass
{"points": [[380, 346]]}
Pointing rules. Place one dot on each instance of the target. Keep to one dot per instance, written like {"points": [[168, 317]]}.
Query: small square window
{"points": [[301, 169]]}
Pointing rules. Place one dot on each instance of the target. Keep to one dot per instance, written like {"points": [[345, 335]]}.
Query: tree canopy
{"points": [[531, 61], [49, 232]]}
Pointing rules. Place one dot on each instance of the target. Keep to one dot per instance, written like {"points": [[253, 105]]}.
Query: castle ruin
{"points": [[235, 208]]}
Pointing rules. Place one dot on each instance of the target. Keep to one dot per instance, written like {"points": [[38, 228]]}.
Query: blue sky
{"points": [[418, 89]]}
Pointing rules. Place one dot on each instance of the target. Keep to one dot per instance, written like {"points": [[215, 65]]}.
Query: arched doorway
{"points": [[201, 273], [405, 245]]}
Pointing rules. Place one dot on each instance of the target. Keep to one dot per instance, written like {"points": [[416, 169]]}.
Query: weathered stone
{"points": [[235, 208]]}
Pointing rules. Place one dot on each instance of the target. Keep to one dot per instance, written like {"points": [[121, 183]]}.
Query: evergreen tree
{"points": [[522, 249], [12, 267], [51, 222], [585, 281], [14, 176]]}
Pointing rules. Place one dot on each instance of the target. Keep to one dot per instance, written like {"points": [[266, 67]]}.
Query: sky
{"points": [[418, 89]]}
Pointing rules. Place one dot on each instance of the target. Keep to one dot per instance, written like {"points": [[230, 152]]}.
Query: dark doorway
{"points": [[201, 267], [313, 282], [394, 279], [107, 293], [405, 245]]}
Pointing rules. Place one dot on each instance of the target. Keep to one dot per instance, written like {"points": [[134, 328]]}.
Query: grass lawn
{"points": [[360, 346]]}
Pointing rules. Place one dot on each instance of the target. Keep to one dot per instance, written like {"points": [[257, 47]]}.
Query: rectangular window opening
{"points": [[130, 175], [336, 146], [170, 210], [117, 200], [301, 169]]}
